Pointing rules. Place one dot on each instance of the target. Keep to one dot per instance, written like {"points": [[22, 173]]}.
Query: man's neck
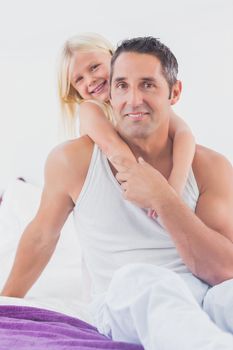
{"points": [[153, 149]]}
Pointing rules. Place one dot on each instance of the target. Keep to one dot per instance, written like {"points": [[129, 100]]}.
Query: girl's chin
{"points": [[101, 98]]}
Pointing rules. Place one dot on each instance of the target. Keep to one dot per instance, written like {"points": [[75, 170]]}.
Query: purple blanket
{"points": [[28, 328]]}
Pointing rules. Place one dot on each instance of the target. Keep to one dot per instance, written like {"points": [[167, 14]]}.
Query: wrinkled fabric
{"points": [[155, 307], [28, 328]]}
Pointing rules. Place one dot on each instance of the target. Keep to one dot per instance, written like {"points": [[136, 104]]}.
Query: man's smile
{"points": [[137, 115]]}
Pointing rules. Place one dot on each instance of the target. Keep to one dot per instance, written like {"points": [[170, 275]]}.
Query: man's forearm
{"points": [[207, 253], [32, 256]]}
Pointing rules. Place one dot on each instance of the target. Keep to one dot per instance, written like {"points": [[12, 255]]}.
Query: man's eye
{"points": [[148, 85], [121, 85]]}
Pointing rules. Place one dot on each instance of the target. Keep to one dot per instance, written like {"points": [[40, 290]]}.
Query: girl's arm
{"points": [[94, 123], [183, 152]]}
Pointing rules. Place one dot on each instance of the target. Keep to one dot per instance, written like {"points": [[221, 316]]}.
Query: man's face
{"points": [[139, 95]]}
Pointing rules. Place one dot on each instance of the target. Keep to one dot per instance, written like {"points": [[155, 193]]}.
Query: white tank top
{"points": [[113, 232]]}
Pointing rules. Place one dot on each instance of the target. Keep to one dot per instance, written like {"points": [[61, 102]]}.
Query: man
{"points": [[142, 270]]}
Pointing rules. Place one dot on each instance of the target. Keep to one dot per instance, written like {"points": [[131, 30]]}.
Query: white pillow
{"points": [[62, 276]]}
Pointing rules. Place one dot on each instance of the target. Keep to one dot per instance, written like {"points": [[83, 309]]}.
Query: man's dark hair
{"points": [[151, 46]]}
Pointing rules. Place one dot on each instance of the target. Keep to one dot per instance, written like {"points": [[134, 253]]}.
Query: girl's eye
{"points": [[78, 80], [94, 67]]}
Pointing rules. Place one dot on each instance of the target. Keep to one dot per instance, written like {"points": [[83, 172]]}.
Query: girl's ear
{"points": [[176, 92]]}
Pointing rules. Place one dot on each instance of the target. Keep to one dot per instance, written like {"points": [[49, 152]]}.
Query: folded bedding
{"points": [[24, 328]]}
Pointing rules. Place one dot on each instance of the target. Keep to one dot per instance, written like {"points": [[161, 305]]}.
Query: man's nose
{"points": [[135, 97]]}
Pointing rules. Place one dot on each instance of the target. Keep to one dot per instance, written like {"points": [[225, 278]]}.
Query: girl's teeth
{"points": [[98, 87], [135, 115]]}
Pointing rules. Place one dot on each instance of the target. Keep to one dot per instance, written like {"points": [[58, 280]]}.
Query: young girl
{"points": [[83, 81]]}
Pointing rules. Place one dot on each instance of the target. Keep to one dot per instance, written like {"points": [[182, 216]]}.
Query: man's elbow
{"points": [[222, 275]]}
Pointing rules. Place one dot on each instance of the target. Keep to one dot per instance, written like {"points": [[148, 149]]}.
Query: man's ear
{"points": [[176, 92]]}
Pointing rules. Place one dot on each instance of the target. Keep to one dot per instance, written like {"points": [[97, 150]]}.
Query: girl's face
{"points": [[90, 75]]}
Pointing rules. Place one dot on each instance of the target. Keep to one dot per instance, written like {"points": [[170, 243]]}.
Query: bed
{"points": [[54, 314]]}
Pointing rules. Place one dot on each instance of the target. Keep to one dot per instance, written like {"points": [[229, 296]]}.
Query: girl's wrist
{"points": [[163, 198]]}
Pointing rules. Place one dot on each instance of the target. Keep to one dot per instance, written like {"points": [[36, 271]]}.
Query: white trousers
{"points": [[155, 307]]}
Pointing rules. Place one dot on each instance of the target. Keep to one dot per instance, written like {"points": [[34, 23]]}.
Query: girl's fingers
{"points": [[151, 213]]}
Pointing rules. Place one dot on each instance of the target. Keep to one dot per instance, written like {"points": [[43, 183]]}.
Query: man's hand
{"points": [[142, 184]]}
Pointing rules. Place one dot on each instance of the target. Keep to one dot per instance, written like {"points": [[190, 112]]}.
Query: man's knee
{"points": [[139, 273], [219, 296], [218, 304], [132, 280]]}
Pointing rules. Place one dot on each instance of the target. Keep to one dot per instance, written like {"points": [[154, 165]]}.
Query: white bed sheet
{"points": [[60, 286], [70, 307]]}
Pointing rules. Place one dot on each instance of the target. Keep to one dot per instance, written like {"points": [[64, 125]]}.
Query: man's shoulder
{"points": [[73, 152], [207, 155], [67, 164], [210, 167]]}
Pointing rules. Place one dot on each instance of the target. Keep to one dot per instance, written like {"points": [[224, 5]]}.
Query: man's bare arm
{"points": [[204, 240], [214, 173], [65, 173]]}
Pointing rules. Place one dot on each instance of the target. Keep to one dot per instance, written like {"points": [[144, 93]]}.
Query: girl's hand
{"points": [[152, 214]]}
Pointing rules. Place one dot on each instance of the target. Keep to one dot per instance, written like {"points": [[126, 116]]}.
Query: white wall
{"points": [[200, 33]]}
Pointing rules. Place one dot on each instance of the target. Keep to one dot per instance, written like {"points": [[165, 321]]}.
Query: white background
{"points": [[199, 32]]}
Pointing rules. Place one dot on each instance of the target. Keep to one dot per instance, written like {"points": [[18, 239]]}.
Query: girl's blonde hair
{"points": [[69, 98]]}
